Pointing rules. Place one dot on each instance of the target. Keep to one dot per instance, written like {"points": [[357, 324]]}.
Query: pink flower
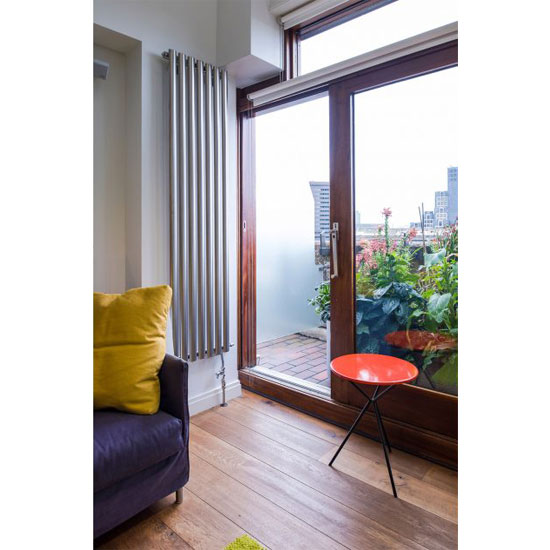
{"points": [[386, 212]]}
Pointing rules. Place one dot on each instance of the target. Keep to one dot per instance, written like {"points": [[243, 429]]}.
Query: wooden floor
{"points": [[260, 468]]}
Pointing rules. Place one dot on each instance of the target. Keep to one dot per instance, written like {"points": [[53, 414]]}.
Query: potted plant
{"points": [[321, 303], [397, 295]]}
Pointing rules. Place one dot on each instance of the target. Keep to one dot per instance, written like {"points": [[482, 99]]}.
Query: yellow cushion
{"points": [[129, 347]]}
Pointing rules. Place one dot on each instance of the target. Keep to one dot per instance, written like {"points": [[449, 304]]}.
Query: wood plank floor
{"points": [[260, 468]]}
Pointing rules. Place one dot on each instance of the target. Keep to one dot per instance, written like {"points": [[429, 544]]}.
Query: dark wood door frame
{"points": [[409, 410], [246, 231], [426, 409], [342, 307]]}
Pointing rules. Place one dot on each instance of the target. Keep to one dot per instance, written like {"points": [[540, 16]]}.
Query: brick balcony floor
{"points": [[296, 355]]}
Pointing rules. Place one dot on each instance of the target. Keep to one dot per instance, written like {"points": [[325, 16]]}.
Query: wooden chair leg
{"points": [[179, 496]]}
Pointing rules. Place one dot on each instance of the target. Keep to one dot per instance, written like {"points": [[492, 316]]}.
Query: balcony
{"points": [[298, 355]]}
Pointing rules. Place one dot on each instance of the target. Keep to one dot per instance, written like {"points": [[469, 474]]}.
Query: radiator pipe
{"points": [[221, 373]]}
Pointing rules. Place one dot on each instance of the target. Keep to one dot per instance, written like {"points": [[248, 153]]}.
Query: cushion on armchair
{"points": [[125, 444], [129, 347]]}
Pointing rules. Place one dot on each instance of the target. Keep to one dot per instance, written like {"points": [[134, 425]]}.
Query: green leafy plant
{"points": [[384, 260], [321, 302], [433, 259], [394, 293], [447, 374], [438, 284], [364, 284], [387, 311], [395, 267]]}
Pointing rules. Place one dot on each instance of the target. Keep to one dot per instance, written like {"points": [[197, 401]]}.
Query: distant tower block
{"points": [[321, 195], [441, 210], [452, 191], [429, 221]]}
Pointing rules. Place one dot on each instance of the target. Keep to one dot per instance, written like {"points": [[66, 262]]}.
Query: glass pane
{"points": [[386, 25], [406, 189], [292, 220]]}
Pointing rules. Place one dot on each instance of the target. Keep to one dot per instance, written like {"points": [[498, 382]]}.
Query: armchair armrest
{"points": [[173, 390]]}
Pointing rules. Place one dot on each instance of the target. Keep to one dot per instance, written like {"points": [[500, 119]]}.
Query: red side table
{"points": [[373, 370]]}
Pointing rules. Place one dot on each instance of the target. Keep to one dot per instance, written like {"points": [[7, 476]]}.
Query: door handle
{"points": [[334, 245]]}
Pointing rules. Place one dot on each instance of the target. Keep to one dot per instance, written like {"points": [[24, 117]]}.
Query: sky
{"points": [[405, 138], [375, 29], [405, 133]]}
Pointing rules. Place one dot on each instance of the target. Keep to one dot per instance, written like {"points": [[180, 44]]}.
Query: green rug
{"points": [[244, 543]]}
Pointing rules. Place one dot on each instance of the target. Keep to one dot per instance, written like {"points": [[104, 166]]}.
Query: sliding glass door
{"points": [[406, 225], [292, 243], [394, 189], [350, 243]]}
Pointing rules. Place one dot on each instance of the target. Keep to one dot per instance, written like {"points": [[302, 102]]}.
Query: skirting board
{"points": [[211, 398]]}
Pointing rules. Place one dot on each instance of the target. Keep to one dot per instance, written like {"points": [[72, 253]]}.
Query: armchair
{"points": [[139, 459]]}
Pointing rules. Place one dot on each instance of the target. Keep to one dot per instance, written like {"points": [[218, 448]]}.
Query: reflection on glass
{"points": [[380, 27], [292, 221], [406, 196]]}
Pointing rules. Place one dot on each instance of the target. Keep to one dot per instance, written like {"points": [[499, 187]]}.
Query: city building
{"points": [[321, 196], [445, 210], [452, 190], [441, 209], [367, 228], [428, 222]]}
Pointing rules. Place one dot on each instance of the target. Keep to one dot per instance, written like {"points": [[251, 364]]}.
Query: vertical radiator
{"points": [[198, 219]]}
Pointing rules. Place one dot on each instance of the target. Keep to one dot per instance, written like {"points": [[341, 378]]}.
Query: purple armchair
{"points": [[139, 459]]}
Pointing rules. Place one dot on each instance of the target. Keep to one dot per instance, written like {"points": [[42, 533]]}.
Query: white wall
{"points": [[110, 174], [265, 34], [233, 30], [133, 165], [117, 163], [249, 41], [189, 26]]}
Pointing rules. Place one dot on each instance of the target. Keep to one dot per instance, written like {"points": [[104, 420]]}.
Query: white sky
{"points": [[405, 138], [406, 133], [286, 161], [372, 30]]}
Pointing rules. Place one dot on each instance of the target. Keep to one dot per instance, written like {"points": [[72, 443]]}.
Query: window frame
{"points": [[332, 18], [422, 421]]}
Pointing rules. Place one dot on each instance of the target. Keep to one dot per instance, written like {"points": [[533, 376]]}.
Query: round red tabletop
{"points": [[370, 368]]}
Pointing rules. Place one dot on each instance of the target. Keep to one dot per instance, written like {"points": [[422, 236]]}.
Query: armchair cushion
{"points": [[125, 444]]}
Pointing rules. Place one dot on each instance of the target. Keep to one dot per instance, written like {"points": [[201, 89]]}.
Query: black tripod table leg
{"points": [[383, 429], [386, 455], [363, 411]]}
